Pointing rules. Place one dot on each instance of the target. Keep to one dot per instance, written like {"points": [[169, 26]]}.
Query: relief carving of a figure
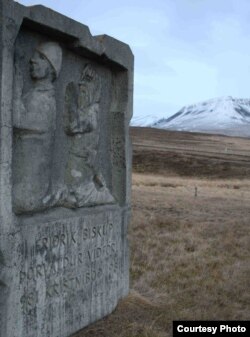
{"points": [[34, 121], [85, 184]]}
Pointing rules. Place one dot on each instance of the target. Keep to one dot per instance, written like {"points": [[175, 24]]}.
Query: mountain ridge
{"points": [[225, 115]]}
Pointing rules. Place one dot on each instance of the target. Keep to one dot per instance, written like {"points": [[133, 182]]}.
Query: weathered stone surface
{"points": [[65, 170]]}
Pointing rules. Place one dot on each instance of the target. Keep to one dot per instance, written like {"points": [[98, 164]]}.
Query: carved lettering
{"points": [[73, 237], [66, 263], [102, 252], [56, 241], [52, 290], [30, 274], [80, 258], [46, 270], [28, 301], [97, 231], [85, 234], [22, 276], [45, 243], [39, 271], [63, 238], [66, 285]]}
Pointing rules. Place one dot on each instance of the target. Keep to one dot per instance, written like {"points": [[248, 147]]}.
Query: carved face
{"points": [[40, 67]]}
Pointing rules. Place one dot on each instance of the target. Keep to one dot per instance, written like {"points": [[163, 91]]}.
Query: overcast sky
{"points": [[185, 51]]}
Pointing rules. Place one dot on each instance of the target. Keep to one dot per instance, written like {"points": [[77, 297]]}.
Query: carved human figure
{"points": [[34, 120], [85, 185]]}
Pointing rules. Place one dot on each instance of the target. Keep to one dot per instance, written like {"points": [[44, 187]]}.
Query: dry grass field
{"points": [[189, 234]]}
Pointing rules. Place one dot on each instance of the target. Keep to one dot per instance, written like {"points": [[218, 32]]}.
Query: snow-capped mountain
{"points": [[147, 120], [225, 115]]}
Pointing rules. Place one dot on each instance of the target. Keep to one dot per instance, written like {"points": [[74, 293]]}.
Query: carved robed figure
{"points": [[34, 121], [85, 185]]}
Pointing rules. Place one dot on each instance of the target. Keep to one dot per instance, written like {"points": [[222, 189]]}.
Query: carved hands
{"points": [[87, 121]]}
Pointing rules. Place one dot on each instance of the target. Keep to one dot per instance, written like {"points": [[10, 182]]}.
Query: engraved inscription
{"points": [[45, 270], [55, 241], [70, 258], [95, 231], [102, 252]]}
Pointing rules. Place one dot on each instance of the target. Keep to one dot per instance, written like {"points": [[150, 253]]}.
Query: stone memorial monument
{"points": [[65, 167]]}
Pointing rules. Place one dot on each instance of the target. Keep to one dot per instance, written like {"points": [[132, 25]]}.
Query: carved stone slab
{"points": [[65, 172]]}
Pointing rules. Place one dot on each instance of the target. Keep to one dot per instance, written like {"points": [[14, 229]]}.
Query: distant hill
{"points": [[224, 115], [171, 153]]}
